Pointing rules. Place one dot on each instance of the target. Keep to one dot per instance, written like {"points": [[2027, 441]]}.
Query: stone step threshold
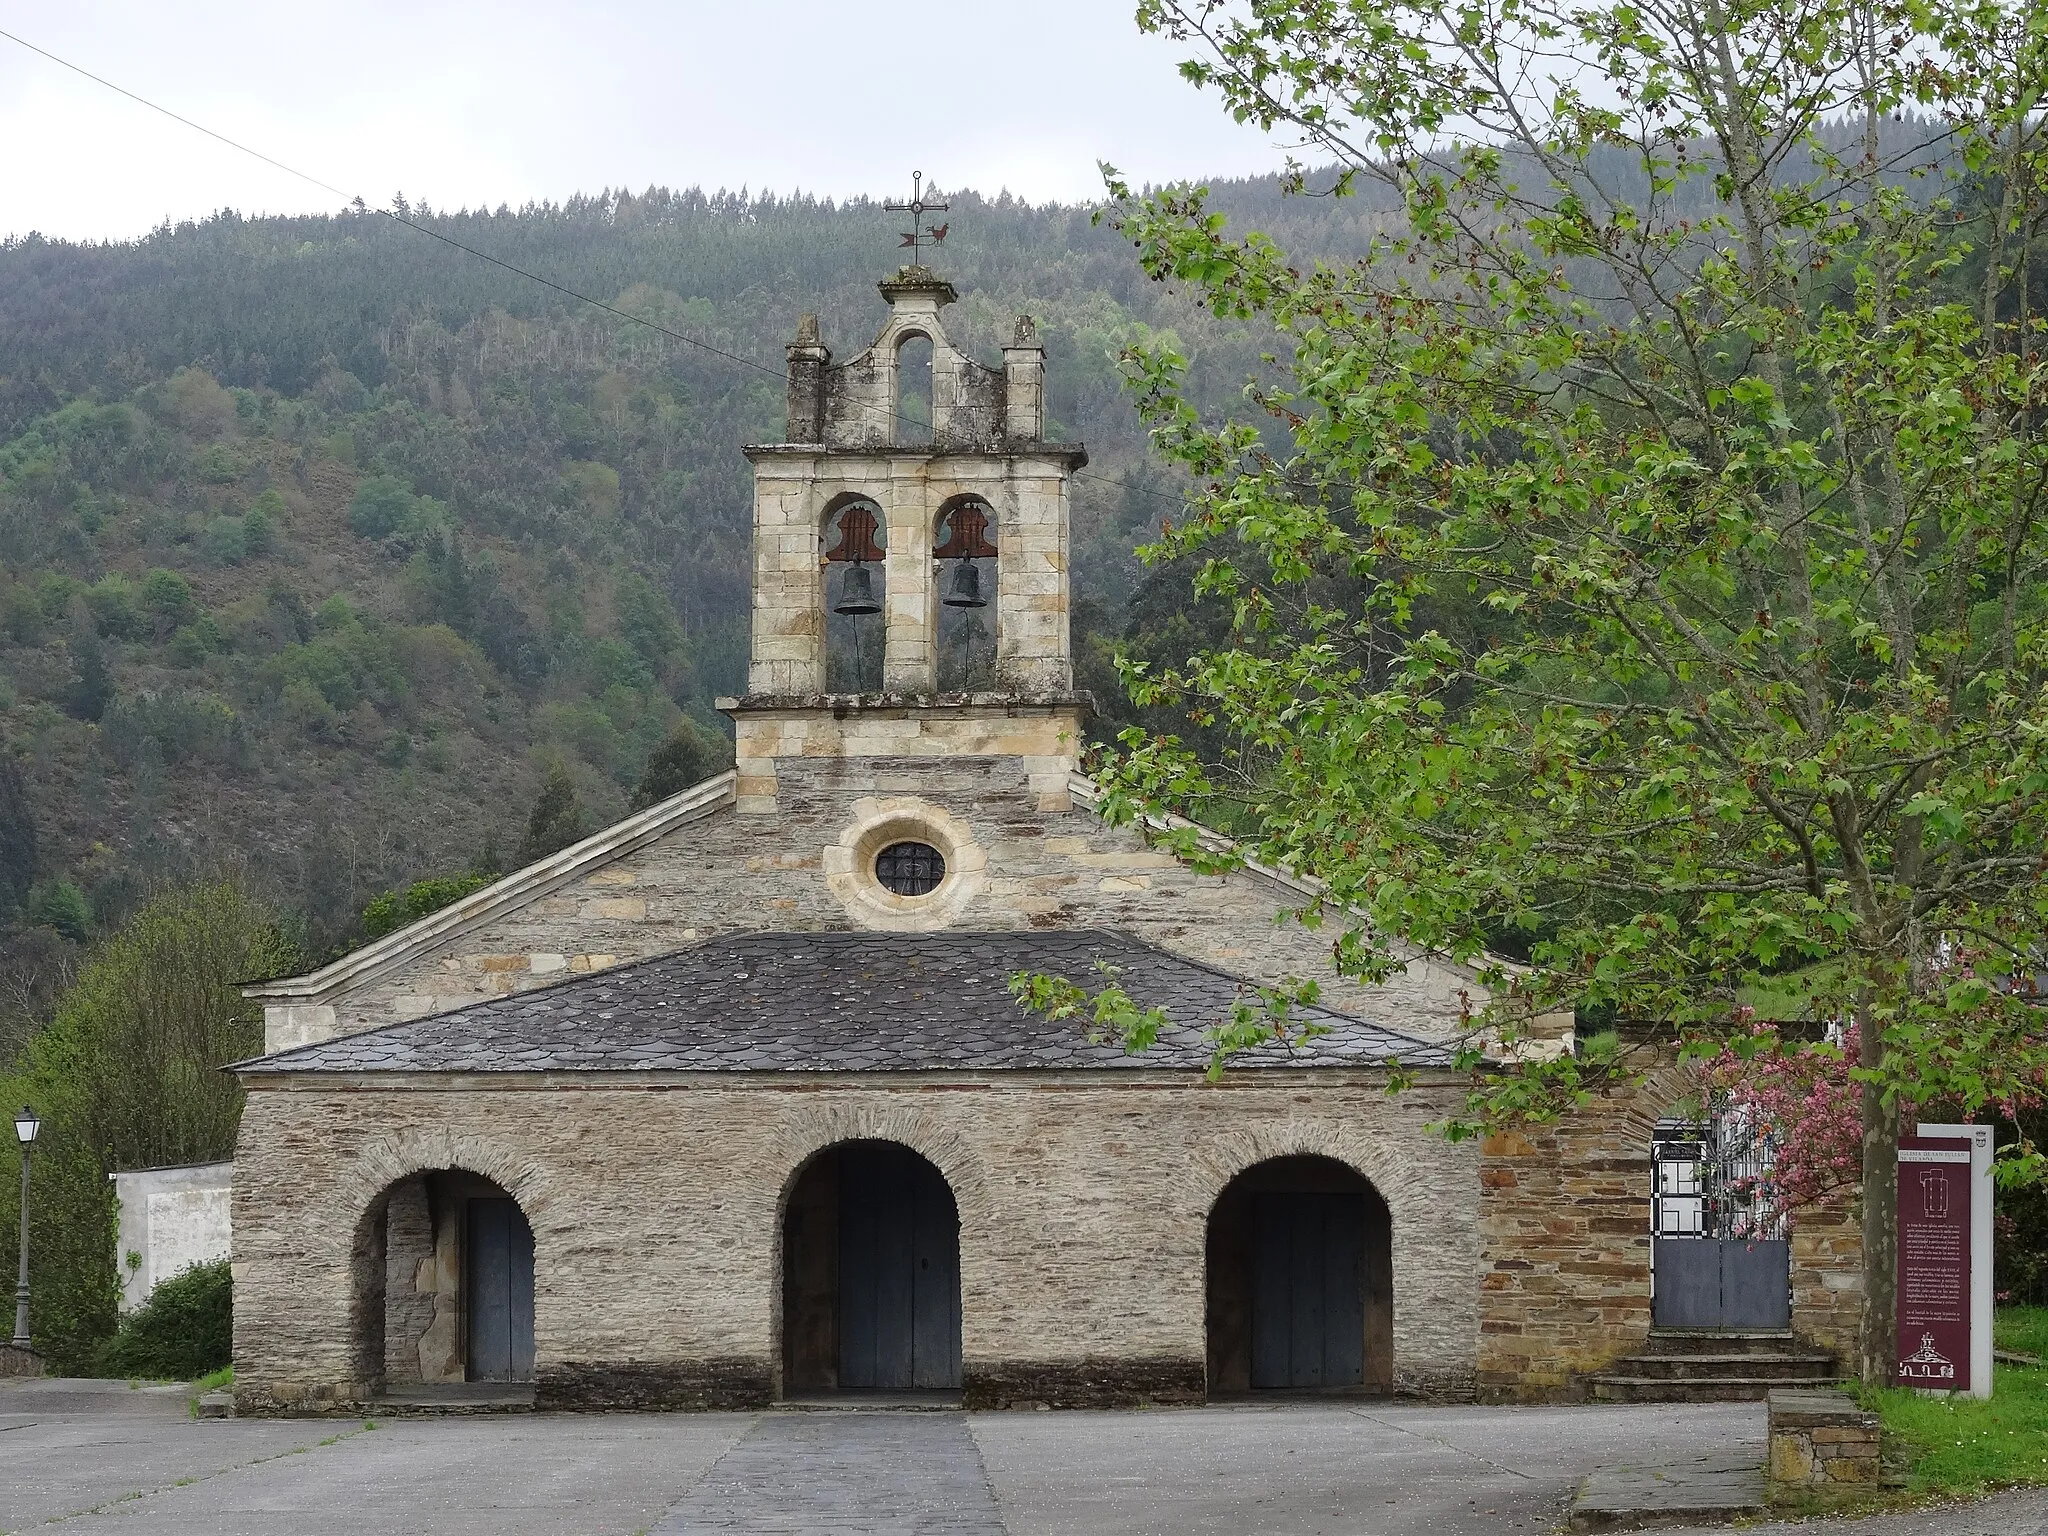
{"points": [[861, 1400], [1723, 1341], [1705, 1490], [457, 1397], [1705, 1389], [1786, 1368]]}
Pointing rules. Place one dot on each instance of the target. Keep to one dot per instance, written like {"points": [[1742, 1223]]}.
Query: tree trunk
{"points": [[1877, 1343]]}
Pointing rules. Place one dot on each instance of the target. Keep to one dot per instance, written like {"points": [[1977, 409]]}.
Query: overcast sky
{"points": [[465, 102]]}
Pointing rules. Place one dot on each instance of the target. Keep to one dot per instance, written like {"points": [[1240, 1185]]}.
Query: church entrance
{"points": [[443, 1272], [871, 1274], [1300, 1281], [500, 1292]]}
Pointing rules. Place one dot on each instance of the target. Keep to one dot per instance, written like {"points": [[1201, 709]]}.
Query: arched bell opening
{"points": [[870, 1274], [854, 544], [442, 1270], [964, 560], [913, 412], [1300, 1281]]}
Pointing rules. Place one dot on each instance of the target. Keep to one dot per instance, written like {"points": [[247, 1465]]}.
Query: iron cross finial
{"points": [[917, 208]]}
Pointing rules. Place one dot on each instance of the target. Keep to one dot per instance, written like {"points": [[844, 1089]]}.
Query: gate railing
{"points": [[1714, 1177]]}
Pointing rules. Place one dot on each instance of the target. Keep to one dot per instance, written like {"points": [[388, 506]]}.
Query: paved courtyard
{"points": [[100, 1457]]}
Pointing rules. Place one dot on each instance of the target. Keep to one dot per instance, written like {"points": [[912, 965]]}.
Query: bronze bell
{"points": [[857, 592], [966, 591]]}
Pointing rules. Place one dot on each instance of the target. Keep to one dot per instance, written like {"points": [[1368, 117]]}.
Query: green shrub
{"points": [[116, 607], [60, 905], [385, 505], [169, 596], [184, 1330], [395, 909], [227, 541]]}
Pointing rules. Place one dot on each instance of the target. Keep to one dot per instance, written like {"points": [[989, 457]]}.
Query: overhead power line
{"points": [[470, 250]]}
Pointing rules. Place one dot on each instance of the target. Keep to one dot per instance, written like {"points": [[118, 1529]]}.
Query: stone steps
{"points": [[1696, 1366], [1802, 1365], [1724, 1389]]}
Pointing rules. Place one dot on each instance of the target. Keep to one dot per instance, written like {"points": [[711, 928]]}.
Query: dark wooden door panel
{"points": [[1308, 1298], [899, 1272], [500, 1263]]}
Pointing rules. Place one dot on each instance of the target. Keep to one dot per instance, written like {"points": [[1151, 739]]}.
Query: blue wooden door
{"points": [[899, 1272], [500, 1292], [1308, 1298]]}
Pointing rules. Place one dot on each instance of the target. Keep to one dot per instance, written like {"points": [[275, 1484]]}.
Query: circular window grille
{"points": [[910, 869]]}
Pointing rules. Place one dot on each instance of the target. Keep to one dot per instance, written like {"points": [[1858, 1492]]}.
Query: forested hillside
{"points": [[323, 542]]}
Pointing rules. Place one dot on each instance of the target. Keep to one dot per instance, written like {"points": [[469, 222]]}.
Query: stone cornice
{"points": [[965, 704], [1069, 456], [509, 894], [1140, 1079]]}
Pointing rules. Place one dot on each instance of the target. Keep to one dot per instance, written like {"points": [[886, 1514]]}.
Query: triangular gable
{"points": [[518, 889]]}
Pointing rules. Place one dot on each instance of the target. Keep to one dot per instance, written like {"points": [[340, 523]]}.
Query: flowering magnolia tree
{"points": [[1807, 1094], [1637, 557]]}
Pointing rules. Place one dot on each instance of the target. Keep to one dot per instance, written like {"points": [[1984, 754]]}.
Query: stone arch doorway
{"points": [[444, 1269], [870, 1274], [1300, 1281]]}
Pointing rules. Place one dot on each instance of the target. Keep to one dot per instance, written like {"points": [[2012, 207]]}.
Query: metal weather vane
{"points": [[920, 237]]}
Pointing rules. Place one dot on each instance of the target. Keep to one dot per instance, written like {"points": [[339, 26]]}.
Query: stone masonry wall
{"points": [[1827, 1274], [729, 873], [1565, 1245], [655, 1206], [1565, 1232]]}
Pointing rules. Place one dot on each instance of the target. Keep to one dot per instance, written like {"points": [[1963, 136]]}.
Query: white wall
{"points": [[170, 1220]]}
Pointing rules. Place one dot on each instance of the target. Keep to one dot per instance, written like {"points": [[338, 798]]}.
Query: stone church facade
{"points": [[729, 1103]]}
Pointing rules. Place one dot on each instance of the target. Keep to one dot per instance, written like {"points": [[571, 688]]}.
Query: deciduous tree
{"points": [[1709, 377]]}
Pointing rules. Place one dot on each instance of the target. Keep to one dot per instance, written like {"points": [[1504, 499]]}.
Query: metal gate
{"points": [[1719, 1257]]}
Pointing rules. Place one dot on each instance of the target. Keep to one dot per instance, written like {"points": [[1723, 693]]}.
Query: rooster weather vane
{"points": [[919, 237]]}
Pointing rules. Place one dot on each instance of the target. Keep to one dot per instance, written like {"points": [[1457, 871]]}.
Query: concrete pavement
{"points": [[96, 1457]]}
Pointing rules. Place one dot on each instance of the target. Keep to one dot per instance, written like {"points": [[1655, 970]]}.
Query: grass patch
{"points": [[2024, 1330], [1962, 1445]]}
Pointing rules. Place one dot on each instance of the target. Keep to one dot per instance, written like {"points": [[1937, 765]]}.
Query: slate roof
{"points": [[843, 1002]]}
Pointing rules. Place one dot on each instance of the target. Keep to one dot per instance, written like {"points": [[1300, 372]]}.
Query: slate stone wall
{"points": [[1565, 1246], [656, 1217], [732, 873]]}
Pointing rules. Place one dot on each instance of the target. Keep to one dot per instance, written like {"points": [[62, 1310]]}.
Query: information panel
{"points": [[1934, 1262]]}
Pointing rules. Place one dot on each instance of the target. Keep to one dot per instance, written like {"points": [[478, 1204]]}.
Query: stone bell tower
{"points": [[861, 512]]}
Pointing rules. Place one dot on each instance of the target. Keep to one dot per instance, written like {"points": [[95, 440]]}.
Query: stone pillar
{"points": [[1827, 1274], [1033, 653], [909, 647], [1821, 1439], [807, 364], [1024, 378], [789, 608]]}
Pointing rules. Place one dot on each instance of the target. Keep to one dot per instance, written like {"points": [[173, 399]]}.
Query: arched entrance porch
{"points": [[1300, 1281], [444, 1270], [870, 1273]]}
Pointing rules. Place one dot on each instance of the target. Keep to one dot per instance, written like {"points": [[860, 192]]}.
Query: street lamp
{"points": [[25, 1127]]}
